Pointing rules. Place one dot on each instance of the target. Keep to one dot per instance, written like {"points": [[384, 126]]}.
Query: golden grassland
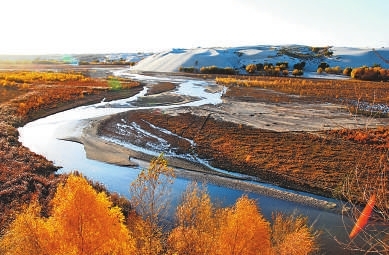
{"points": [[325, 90]]}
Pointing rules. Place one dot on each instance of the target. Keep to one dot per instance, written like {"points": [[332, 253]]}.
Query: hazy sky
{"points": [[103, 26]]}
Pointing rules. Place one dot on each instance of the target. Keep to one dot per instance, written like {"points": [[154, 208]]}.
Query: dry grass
{"points": [[325, 90], [24, 175], [318, 162]]}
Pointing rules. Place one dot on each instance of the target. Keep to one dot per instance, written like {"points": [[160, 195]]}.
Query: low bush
{"points": [[370, 73], [190, 69], [283, 65], [216, 70], [299, 66], [347, 71], [251, 68], [323, 65], [297, 72], [333, 70]]}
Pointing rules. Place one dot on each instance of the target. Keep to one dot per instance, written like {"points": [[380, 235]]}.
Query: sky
{"points": [[129, 26]]}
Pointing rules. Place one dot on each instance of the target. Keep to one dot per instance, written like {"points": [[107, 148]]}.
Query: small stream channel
{"points": [[43, 137]]}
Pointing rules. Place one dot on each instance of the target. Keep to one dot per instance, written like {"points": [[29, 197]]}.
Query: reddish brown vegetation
{"points": [[25, 175], [377, 138], [315, 162], [345, 91], [370, 73]]}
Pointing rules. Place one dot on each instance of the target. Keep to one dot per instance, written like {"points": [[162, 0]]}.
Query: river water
{"points": [[42, 136]]}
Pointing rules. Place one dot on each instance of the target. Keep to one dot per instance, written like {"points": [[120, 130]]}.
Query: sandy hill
{"points": [[239, 57]]}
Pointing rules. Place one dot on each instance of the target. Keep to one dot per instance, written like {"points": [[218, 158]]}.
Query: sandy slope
{"points": [[238, 57]]}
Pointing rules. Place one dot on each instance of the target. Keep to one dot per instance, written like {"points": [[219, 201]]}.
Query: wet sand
{"points": [[100, 149]]}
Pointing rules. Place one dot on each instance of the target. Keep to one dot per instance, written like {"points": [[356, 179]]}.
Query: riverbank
{"points": [[100, 149], [288, 143], [272, 136], [26, 96]]}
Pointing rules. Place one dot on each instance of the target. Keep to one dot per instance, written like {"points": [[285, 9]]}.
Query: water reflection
{"points": [[41, 137]]}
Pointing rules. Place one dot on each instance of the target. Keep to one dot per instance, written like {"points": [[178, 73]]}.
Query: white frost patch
{"points": [[130, 146], [146, 133], [165, 131]]}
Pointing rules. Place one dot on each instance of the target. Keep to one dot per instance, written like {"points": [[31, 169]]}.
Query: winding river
{"points": [[43, 136]]}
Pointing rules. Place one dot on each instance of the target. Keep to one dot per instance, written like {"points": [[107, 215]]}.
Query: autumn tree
{"points": [[291, 235], [203, 229], [196, 225], [244, 230], [297, 72], [347, 71], [150, 198], [240, 229], [299, 66], [323, 65], [82, 221], [251, 68], [26, 234]]}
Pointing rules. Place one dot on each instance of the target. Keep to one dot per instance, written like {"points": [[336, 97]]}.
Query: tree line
{"points": [[83, 220]]}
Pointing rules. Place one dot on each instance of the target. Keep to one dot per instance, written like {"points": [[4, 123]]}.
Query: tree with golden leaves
{"points": [[244, 230], [251, 68], [26, 234], [150, 198], [82, 221], [239, 229], [197, 227], [291, 235]]}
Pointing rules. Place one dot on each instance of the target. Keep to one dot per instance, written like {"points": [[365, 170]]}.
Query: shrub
{"points": [[356, 73], [347, 71], [370, 73], [260, 66], [299, 66], [272, 71], [283, 65], [333, 70], [190, 69], [323, 65], [384, 74], [216, 70], [251, 68], [319, 70], [297, 72]]}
